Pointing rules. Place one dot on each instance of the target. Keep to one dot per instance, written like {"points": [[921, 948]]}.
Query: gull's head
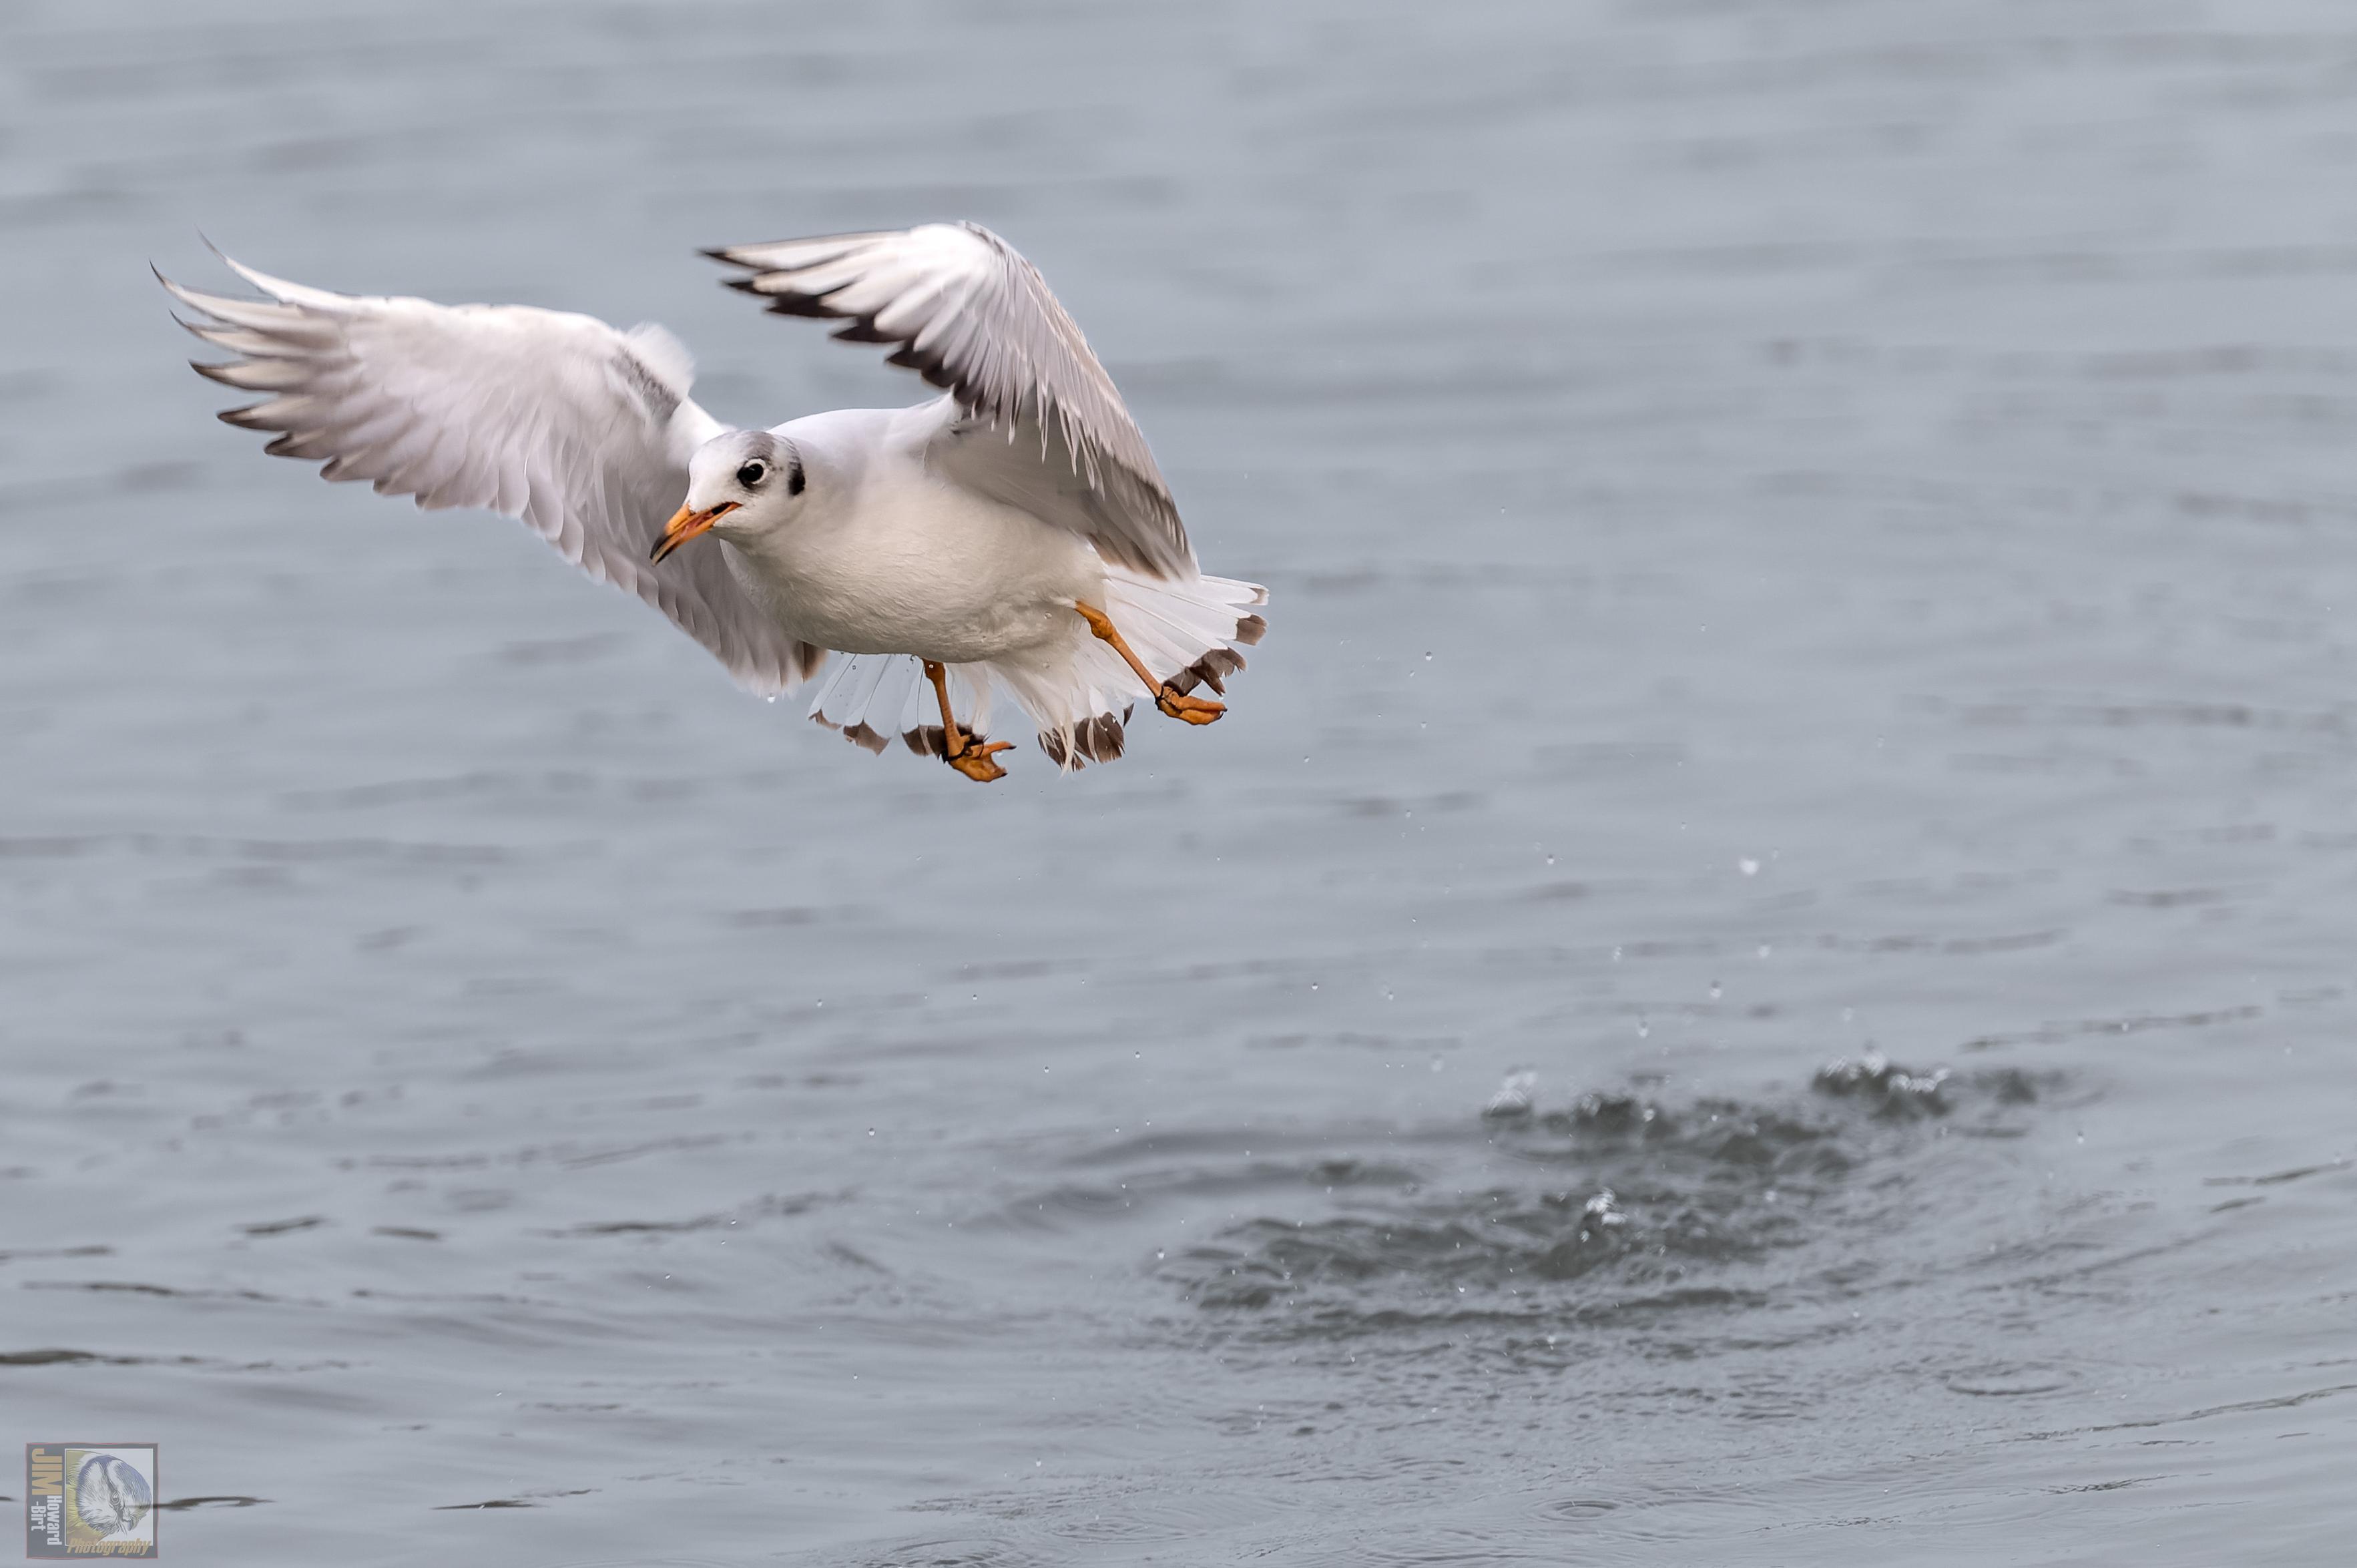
{"points": [[738, 486]]}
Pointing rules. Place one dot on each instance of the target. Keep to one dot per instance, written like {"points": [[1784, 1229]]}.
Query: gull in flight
{"points": [[1012, 535]]}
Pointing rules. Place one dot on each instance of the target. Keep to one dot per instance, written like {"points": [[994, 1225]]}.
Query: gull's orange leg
{"points": [[1178, 704], [970, 757]]}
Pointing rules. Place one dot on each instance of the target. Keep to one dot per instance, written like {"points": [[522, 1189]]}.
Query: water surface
{"points": [[1810, 551]]}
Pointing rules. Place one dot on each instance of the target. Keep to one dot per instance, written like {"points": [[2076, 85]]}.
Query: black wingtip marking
{"points": [[801, 304]]}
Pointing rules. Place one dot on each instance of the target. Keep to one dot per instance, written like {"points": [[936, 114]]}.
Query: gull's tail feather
{"points": [[1185, 632], [1195, 629], [874, 697], [1079, 693]]}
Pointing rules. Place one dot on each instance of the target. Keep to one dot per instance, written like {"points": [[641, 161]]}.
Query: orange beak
{"points": [[686, 525]]}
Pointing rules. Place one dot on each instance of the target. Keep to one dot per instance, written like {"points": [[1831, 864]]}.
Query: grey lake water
{"points": [[1812, 548]]}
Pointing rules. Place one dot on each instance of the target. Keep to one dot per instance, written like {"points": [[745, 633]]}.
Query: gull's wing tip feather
{"points": [[186, 296], [221, 255], [181, 291], [263, 281], [276, 289], [302, 297], [206, 240]]}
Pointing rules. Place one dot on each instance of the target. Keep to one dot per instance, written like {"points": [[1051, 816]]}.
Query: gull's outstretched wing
{"points": [[1044, 428], [582, 431]]}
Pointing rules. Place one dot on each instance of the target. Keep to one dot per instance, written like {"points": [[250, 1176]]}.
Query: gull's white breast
{"points": [[887, 557]]}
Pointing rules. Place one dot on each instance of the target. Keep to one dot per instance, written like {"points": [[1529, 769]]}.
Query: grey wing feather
{"points": [[974, 317], [580, 430]]}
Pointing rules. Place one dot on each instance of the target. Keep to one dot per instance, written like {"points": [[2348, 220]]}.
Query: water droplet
{"points": [[1514, 1095], [1714, 991], [1749, 867], [1643, 1028]]}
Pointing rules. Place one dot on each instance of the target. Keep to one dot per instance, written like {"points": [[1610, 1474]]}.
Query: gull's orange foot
{"points": [[1194, 710], [975, 760]]}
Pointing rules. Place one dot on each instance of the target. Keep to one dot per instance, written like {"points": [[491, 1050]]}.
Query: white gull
{"points": [[1013, 534]]}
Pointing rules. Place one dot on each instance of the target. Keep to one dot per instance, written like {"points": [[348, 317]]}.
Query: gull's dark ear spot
{"points": [[795, 478]]}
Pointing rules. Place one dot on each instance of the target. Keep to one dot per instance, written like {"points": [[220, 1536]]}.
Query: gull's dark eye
{"points": [[752, 473]]}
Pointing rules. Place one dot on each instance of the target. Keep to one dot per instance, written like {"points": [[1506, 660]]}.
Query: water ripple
{"points": [[1620, 1205]]}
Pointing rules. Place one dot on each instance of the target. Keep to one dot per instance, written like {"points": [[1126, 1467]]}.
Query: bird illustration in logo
{"points": [[110, 1495]]}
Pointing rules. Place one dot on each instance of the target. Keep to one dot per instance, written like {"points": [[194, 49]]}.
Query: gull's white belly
{"points": [[922, 568]]}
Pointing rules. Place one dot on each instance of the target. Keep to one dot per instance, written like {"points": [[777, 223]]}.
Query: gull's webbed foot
{"points": [[1193, 709], [975, 760], [969, 754], [1169, 698]]}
